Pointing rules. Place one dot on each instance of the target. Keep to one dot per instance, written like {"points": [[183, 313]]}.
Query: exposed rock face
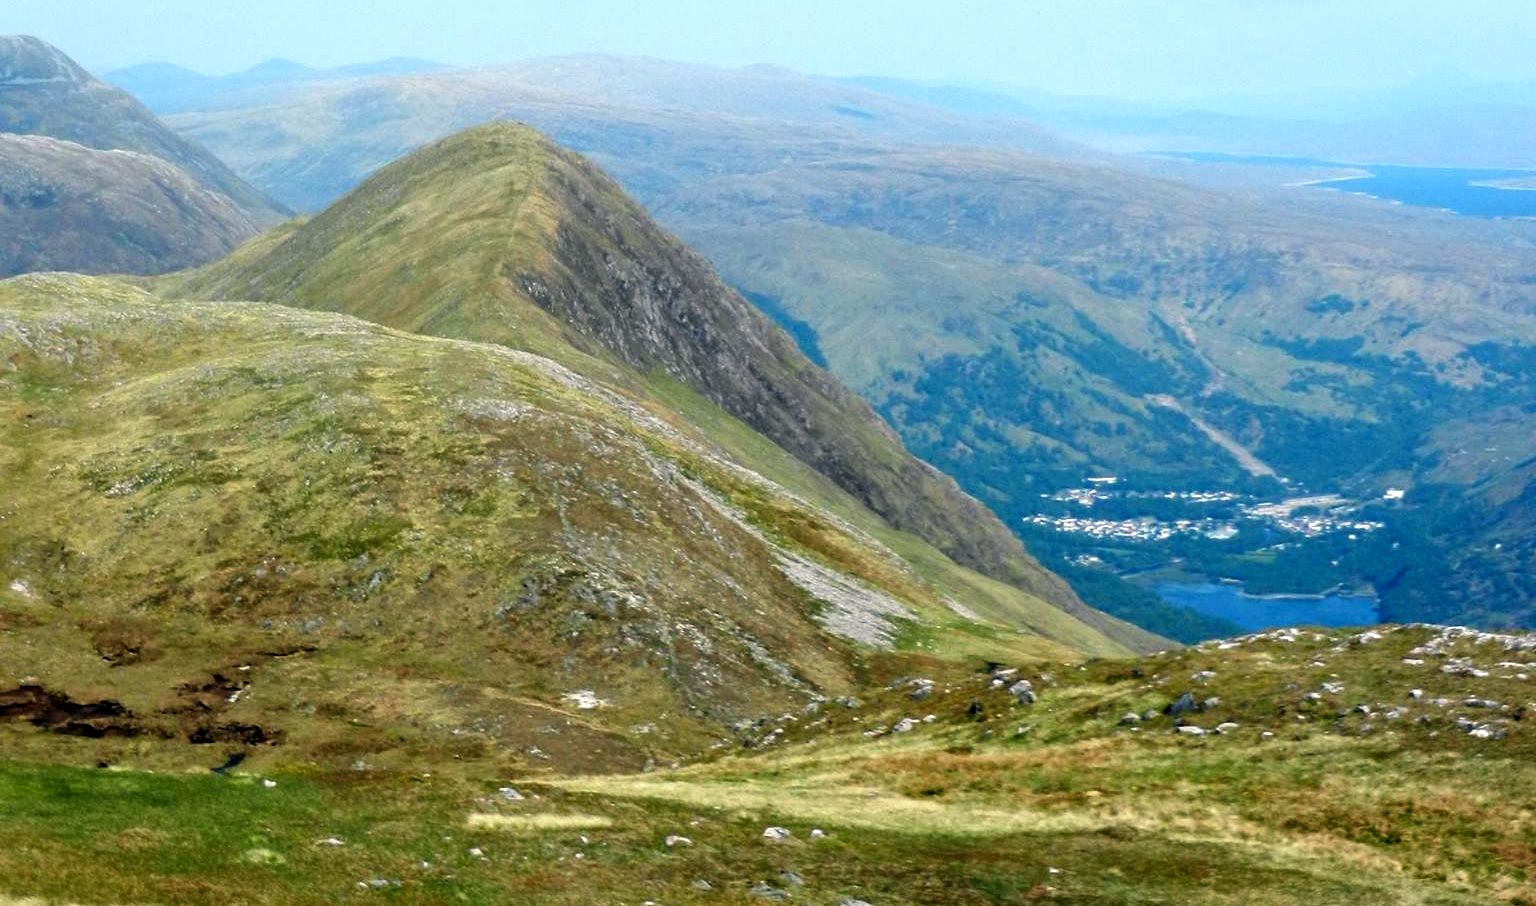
{"points": [[44, 92], [67, 207], [540, 240]]}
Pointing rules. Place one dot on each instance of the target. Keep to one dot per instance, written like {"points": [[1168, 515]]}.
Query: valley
{"points": [[1247, 558]]}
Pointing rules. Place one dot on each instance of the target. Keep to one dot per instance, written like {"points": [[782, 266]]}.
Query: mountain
{"points": [[64, 206], [44, 92], [516, 558], [497, 235], [537, 492], [166, 88], [1026, 313], [659, 122]]}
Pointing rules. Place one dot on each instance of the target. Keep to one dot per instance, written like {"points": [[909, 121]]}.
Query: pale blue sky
{"points": [[1136, 49]]}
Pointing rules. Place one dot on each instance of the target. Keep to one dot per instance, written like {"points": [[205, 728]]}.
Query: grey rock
{"points": [[1184, 704]]}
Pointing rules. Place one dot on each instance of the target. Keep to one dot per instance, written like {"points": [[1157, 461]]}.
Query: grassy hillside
{"points": [[258, 529], [1381, 768]]}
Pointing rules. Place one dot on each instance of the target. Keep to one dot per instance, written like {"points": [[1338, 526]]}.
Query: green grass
{"points": [[1079, 809]]}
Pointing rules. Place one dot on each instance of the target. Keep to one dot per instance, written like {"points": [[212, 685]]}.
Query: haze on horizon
{"points": [[1232, 55]]}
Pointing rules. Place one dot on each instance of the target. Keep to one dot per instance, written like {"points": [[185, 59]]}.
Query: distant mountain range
{"points": [[167, 88], [1454, 126]]}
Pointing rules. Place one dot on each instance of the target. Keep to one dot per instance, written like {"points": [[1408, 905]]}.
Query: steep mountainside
{"points": [[44, 92], [497, 235], [67, 207]]}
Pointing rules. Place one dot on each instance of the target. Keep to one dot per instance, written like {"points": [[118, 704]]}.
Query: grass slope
{"points": [[307, 537], [1331, 784]]}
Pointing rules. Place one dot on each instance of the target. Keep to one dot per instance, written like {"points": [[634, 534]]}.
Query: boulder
{"points": [[1184, 704]]}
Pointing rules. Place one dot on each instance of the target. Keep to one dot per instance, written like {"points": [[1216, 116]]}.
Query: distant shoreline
{"points": [[1519, 184], [1325, 181]]}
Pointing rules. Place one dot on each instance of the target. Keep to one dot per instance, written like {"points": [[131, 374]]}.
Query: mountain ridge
{"points": [[533, 240]]}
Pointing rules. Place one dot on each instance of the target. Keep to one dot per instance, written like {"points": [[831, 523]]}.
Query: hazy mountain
{"points": [[662, 123], [67, 207], [1438, 125], [91, 181], [166, 88], [43, 92]]}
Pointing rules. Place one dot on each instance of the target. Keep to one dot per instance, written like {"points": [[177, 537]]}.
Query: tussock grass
{"points": [[536, 823]]}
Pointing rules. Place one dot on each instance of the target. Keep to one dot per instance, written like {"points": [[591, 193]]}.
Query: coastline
{"points": [[1329, 179]]}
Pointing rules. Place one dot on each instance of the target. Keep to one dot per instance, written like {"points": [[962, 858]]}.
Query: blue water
{"points": [[1445, 188], [1254, 614]]}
